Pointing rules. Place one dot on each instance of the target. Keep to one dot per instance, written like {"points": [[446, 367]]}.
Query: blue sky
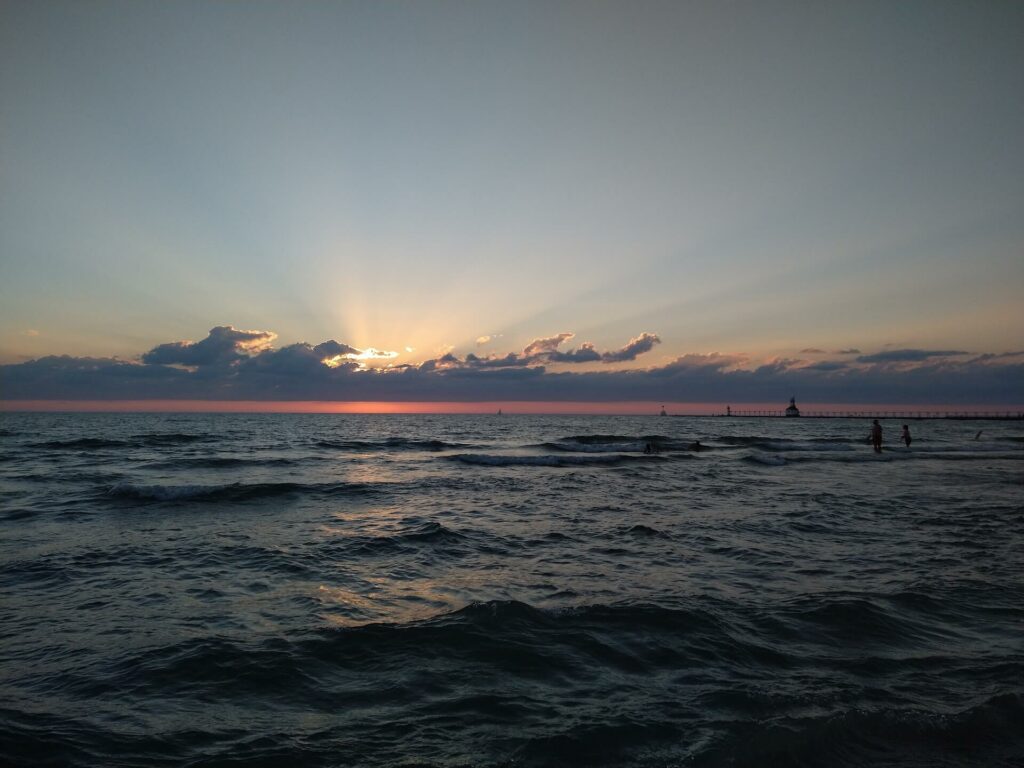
{"points": [[743, 179]]}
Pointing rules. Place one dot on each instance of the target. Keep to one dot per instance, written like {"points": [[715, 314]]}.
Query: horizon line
{"points": [[507, 407]]}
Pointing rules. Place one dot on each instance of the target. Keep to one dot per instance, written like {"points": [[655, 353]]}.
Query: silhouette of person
{"points": [[876, 436], [905, 436], [648, 448]]}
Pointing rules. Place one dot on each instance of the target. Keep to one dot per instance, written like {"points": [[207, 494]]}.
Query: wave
{"points": [[1007, 447], [155, 439], [640, 636], [171, 438], [576, 447], [619, 443], [72, 477], [984, 734], [810, 444], [509, 727], [601, 438], [18, 514], [417, 534], [227, 462], [641, 531], [857, 444], [519, 460], [767, 459], [82, 443], [228, 492], [625, 684], [782, 444], [390, 444], [866, 455]]}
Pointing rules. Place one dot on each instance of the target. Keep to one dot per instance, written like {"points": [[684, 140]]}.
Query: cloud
{"points": [[714, 361], [240, 365], [223, 345], [1017, 356], [226, 345], [585, 353], [481, 340], [826, 365], [63, 377], [332, 348], [907, 355], [778, 366], [371, 353], [643, 343], [547, 345], [298, 358], [812, 351], [850, 351], [511, 360], [545, 351], [32, 332]]}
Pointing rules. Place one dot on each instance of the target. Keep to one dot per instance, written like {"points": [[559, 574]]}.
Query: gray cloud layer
{"points": [[240, 365], [224, 345], [907, 355], [546, 351]]}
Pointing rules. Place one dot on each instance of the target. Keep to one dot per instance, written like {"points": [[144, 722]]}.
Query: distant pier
{"points": [[906, 415]]}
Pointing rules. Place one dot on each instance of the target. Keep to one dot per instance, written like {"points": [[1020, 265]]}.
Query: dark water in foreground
{"points": [[523, 590]]}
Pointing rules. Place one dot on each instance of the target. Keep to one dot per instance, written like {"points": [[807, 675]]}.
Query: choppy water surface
{"points": [[517, 590]]}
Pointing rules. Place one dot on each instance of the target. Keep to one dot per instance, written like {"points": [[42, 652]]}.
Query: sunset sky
{"points": [[484, 201]]}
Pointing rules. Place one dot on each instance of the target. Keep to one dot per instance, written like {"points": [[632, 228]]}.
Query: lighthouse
{"points": [[792, 410]]}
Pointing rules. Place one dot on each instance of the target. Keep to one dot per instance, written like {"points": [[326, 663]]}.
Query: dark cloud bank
{"points": [[230, 364]]}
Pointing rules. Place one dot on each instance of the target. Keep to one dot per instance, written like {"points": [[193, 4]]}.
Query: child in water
{"points": [[905, 437]]}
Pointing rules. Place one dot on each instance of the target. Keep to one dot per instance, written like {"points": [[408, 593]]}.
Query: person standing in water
{"points": [[876, 436], [905, 437]]}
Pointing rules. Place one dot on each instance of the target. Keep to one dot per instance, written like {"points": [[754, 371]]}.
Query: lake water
{"points": [[335, 590]]}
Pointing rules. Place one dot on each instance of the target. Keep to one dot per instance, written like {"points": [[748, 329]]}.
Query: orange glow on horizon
{"points": [[315, 406], [634, 408]]}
